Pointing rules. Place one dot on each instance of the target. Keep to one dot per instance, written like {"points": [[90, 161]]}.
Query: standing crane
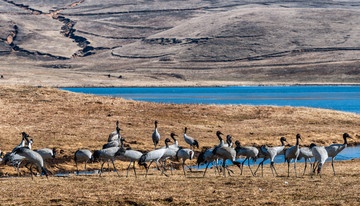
{"points": [[320, 155], [156, 135], [293, 153], [335, 149], [82, 155], [191, 141], [270, 153], [154, 156], [248, 152], [306, 153]]}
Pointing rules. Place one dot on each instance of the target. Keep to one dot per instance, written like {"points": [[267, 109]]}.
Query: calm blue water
{"points": [[342, 98]]}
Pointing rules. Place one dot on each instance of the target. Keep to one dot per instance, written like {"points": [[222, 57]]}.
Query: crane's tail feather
{"points": [[142, 160], [237, 163], [196, 143]]}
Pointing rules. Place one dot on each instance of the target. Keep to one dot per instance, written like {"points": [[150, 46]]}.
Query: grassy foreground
{"points": [[343, 189], [71, 121]]}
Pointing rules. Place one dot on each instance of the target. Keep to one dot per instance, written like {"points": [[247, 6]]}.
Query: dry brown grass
{"points": [[71, 121], [343, 189]]}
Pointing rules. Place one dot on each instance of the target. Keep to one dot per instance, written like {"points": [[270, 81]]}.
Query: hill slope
{"points": [[191, 43]]}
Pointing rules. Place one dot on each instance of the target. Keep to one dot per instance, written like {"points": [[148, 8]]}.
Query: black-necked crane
{"points": [[154, 156], [129, 155], [105, 155], [82, 155], [156, 135], [191, 141], [185, 154], [306, 153], [226, 153], [270, 153], [115, 142], [335, 149], [207, 157], [47, 153], [34, 158], [293, 153], [170, 152], [23, 141], [248, 152], [320, 155], [114, 135]]}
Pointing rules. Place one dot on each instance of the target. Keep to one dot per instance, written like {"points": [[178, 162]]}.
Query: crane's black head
{"points": [[312, 145], [54, 152], [298, 136], [346, 135], [218, 133], [237, 143], [25, 136], [117, 123], [156, 122], [185, 129], [96, 155], [283, 139], [167, 140]]}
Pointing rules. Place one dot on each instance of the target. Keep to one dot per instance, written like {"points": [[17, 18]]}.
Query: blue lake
{"points": [[342, 98]]}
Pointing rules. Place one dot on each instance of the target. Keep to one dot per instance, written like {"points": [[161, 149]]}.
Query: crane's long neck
{"points": [[229, 142], [22, 144], [185, 130], [121, 143], [282, 143], [173, 137], [345, 141], [297, 141], [167, 145], [221, 140]]}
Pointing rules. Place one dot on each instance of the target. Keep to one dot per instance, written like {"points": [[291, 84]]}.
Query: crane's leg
{"points": [[184, 168], [147, 169], [250, 167], [260, 164], [274, 168], [31, 172], [206, 169], [332, 164], [127, 173], [295, 167], [288, 168], [102, 166], [134, 169], [77, 169], [305, 165], [224, 168], [18, 168], [85, 168], [242, 165], [115, 167], [172, 166], [162, 171]]}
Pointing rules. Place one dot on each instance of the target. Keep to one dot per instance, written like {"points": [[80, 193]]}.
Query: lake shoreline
{"points": [[207, 85]]}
